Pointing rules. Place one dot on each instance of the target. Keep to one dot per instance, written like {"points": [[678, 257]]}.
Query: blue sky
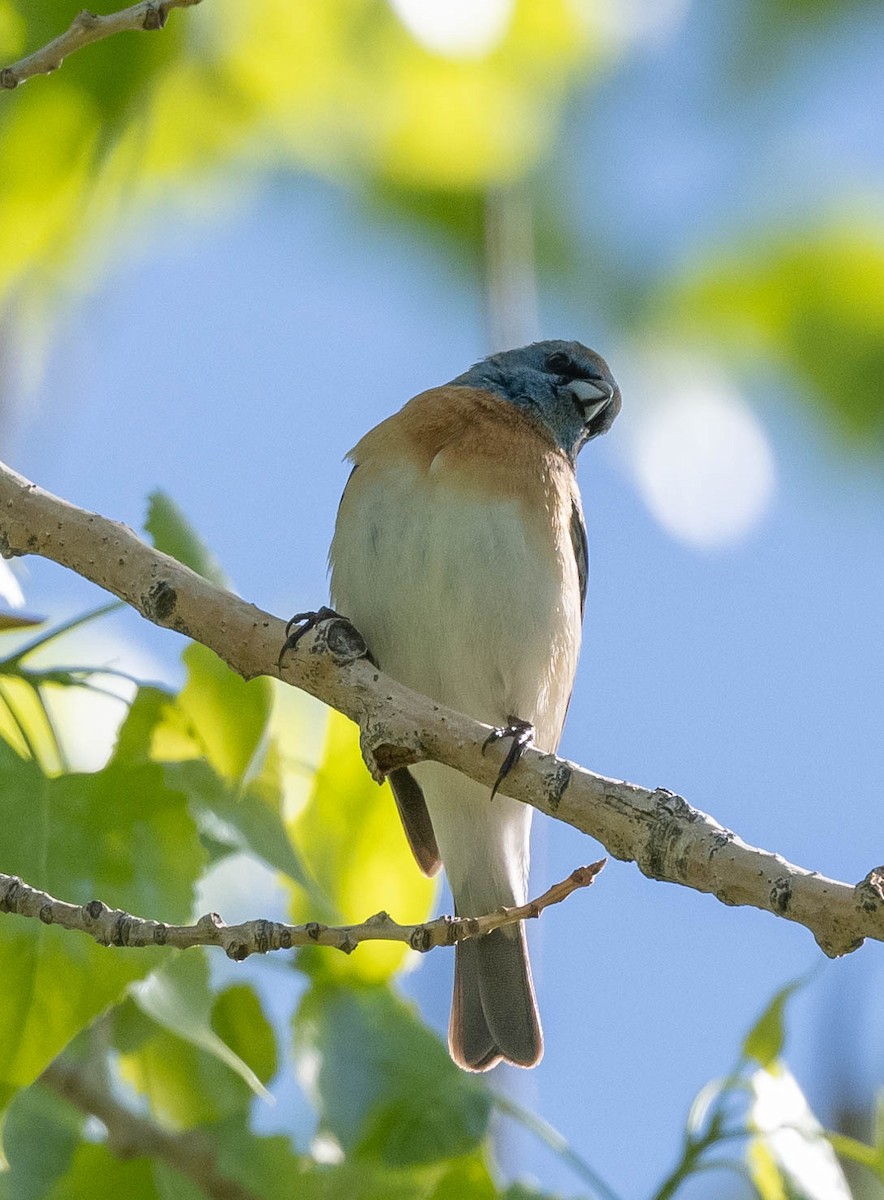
{"points": [[233, 363]]}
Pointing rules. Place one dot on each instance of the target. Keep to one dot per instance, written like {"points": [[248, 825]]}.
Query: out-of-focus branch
{"points": [[113, 927], [665, 836], [85, 29], [510, 271], [130, 1135]]}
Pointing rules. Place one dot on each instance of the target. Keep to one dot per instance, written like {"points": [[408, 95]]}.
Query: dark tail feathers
{"points": [[494, 1013]]}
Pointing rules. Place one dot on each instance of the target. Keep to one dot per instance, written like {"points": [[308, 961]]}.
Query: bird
{"points": [[460, 556]]}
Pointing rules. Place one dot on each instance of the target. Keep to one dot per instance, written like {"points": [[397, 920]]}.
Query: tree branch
{"points": [[130, 1135], [85, 29], [113, 927], [658, 830]]}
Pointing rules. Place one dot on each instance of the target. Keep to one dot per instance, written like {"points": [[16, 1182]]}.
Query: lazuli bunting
{"points": [[460, 556]]}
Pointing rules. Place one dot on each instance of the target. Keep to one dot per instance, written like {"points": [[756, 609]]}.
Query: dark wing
{"points": [[581, 558], [415, 819], [581, 551], [353, 471]]}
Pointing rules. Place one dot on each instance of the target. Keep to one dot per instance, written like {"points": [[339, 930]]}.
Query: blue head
{"points": [[564, 386]]}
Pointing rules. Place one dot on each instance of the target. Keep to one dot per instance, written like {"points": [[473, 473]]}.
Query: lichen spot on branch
{"points": [[161, 601]]}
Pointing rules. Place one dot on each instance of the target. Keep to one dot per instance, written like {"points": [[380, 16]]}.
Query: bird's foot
{"points": [[522, 734], [346, 648]]}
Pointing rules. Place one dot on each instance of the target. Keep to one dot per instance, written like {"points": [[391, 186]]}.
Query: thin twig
{"points": [[113, 927], [557, 1142], [85, 29], [660, 831], [130, 1135]]}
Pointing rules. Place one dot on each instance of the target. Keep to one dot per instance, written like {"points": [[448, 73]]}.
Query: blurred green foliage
{"points": [[347, 90], [341, 88], [194, 777], [764, 1041], [384, 1086], [757, 1123], [810, 301], [357, 857]]}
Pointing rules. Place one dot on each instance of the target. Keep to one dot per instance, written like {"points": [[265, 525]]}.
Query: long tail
{"points": [[494, 1013]]}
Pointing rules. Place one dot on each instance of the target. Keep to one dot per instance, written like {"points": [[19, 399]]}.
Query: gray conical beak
{"points": [[593, 395]]}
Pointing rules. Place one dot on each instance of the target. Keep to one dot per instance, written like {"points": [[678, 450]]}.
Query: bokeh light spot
{"points": [[703, 463], [456, 28]]}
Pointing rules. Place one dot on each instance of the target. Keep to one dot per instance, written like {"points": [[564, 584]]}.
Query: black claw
{"points": [[522, 734], [306, 621]]}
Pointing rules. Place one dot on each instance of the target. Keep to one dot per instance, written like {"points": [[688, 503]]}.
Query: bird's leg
{"points": [[522, 734], [303, 622]]}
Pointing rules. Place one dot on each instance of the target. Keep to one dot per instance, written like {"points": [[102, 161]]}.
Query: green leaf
{"points": [[49, 139], [764, 1172], [135, 737], [132, 1028], [196, 1062], [267, 1166], [466, 1179], [784, 299], [870, 1156], [239, 1021], [252, 817], [26, 720], [383, 1083], [14, 622], [764, 1041], [57, 631], [345, 90], [174, 535], [270, 1169], [351, 840], [172, 1186], [57, 983], [120, 835], [217, 716], [183, 1085], [97, 1174], [247, 817], [226, 716], [25, 724], [36, 1162], [125, 836], [462, 122], [178, 997], [361, 1182], [858, 1152]]}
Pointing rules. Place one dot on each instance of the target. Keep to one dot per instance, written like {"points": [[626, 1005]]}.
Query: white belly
{"points": [[462, 599]]}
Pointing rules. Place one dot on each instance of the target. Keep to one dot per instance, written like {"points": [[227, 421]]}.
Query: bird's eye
{"points": [[559, 363]]}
